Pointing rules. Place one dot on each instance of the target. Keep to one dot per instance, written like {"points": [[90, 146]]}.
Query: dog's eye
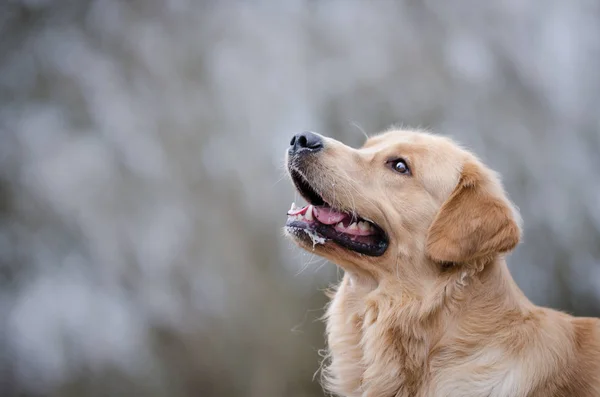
{"points": [[400, 166]]}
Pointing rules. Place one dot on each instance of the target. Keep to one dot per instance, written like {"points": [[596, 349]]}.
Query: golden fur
{"points": [[439, 314]]}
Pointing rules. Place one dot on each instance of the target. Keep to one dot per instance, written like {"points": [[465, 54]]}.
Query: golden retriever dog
{"points": [[427, 306]]}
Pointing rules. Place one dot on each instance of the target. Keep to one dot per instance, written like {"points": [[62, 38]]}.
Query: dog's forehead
{"points": [[421, 142], [390, 138]]}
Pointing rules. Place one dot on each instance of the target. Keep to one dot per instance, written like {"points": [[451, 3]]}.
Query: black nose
{"points": [[306, 140]]}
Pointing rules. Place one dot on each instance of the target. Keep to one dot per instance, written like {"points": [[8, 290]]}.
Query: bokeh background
{"points": [[142, 188]]}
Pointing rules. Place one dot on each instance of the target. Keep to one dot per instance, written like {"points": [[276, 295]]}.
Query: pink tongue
{"points": [[329, 216]]}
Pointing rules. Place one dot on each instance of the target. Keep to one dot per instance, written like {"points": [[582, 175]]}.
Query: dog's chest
{"points": [[375, 352], [370, 354]]}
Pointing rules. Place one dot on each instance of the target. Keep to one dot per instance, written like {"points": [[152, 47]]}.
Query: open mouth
{"points": [[321, 222]]}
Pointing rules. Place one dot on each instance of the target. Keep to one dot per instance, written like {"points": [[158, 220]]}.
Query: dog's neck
{"points": [[390, 308], [489, 280]]}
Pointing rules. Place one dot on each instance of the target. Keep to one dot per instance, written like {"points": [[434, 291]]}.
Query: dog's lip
{"points": [[370, 243], [321, 222]]}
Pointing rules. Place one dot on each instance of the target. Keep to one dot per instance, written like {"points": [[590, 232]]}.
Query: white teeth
{"points": [[340, 225], [364, 226], [309, 213], [293, 206], [353, 226]]}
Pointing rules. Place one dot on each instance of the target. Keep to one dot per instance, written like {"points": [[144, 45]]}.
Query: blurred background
{"points": [[142, 188]]}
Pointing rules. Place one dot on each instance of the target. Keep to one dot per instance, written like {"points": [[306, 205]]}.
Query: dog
{"points": [[427, 306]]}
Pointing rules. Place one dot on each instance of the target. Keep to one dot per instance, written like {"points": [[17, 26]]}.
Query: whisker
{"points": [[306, 265], [279, 180], [355, 124], [321, 266]]}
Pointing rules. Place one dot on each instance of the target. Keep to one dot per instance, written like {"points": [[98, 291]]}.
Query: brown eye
{"points": [[400, 166]]}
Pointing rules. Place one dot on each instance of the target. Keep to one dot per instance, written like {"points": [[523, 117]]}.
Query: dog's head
{"points": [[404, 196]]}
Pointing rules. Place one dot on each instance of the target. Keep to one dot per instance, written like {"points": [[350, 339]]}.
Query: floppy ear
{"points": [[476, 221]]}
